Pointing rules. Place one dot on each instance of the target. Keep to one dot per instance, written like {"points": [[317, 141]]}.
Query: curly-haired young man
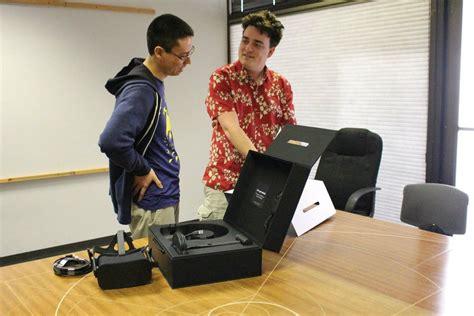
{"points": [[248, 103]]}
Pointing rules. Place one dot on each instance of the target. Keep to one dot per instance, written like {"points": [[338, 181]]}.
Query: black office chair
{"points": [[349, 167], [435, 207]]}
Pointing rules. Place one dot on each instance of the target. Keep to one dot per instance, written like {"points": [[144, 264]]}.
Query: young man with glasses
{"points": [[248, 104], [137, 139]]}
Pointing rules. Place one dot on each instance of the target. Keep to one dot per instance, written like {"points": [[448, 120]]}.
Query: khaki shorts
{"points": [[142, 219], [214, 205]]}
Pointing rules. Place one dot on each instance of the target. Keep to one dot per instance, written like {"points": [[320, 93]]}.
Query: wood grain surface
{"points": [[350, 265]]}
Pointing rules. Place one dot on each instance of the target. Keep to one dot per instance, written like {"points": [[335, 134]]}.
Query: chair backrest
{"points": [[436, 207], [351, 162]]}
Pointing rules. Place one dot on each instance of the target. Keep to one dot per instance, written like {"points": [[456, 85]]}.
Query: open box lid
{"points": [[270, 185], [301, 144], [265, 198]]}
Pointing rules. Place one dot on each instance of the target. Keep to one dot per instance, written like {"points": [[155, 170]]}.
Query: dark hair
{"points": [[165, 30], [266, 22]]}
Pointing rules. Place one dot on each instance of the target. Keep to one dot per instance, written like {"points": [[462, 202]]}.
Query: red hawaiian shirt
{"points": [[262, 109]]}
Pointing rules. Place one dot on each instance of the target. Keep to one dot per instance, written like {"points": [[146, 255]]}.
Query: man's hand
{"points": [[141, 183]]}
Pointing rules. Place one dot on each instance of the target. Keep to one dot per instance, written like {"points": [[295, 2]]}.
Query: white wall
{"points": [[54, 63]]}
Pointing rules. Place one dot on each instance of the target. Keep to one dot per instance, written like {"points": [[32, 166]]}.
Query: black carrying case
{"points": [[115, 269], [262, 206]]}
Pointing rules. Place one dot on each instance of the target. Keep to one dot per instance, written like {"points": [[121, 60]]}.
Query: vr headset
{"points": [[115, 269]]}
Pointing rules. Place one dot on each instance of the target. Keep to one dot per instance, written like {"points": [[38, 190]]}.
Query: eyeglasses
{"points": [[184, 56]]}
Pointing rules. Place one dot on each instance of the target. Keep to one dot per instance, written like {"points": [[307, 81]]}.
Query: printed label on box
{"points": [[260, 194]]}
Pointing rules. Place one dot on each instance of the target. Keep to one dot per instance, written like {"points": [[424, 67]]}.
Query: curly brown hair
{"points": [[266, 22]]}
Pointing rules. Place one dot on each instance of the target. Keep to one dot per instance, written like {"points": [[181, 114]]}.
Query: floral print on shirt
{"points": [[262, 109]]}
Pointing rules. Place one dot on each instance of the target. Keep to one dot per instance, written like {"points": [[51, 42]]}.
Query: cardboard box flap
{"points": [[301, 144], [265, 198]]}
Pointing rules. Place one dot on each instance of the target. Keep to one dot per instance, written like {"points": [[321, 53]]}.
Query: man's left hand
{"points": [[141, 183]]}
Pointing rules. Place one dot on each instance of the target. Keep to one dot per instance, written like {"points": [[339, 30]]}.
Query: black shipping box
{"points": [[258, 216], [206, 264]]}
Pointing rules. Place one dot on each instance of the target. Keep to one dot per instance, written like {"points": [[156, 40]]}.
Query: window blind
{"points": [[363, 65]]}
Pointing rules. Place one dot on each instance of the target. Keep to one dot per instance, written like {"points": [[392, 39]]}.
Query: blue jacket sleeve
{"points": [[128, 120]]}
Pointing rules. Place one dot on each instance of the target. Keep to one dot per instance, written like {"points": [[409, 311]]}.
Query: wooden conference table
{"points": [[348, 265]]}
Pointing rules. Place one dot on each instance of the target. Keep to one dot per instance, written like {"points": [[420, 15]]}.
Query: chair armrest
{"points": [[354, 198]]}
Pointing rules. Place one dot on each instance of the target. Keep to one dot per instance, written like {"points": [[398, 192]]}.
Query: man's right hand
{"points": [[141, 183]]}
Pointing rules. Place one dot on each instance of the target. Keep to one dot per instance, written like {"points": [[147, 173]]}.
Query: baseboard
{"points": [[54, 251], [58, 250]]}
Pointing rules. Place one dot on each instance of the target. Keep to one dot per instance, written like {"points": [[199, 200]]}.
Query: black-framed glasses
{"points": [[184, 56]]}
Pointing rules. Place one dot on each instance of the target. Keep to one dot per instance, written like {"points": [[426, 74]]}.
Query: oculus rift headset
{"points": [[121, 268]]}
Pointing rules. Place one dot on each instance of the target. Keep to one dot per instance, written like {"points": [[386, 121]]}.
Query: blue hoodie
{"points": [[138, 137]]}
